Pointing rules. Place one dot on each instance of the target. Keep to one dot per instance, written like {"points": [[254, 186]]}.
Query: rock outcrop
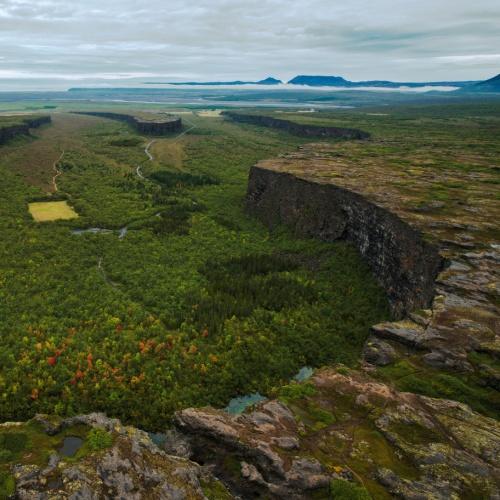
{"points": [[9, 132], [116, 462], [346, 426], [341, 429], [254, 453], [300, 129], [151, 126]]}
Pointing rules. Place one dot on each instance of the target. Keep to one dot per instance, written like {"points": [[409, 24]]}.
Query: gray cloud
{"points": [[227, 39]]}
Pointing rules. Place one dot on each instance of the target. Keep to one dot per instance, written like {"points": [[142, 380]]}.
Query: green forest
{"points": [[178, 298]]}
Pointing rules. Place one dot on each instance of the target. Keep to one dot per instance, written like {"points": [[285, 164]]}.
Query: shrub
{"points": [[7, 485], [238, 286], [294, 391], [5, 455], [345, 490], [99, 439], [126, 141], [174, 220]]}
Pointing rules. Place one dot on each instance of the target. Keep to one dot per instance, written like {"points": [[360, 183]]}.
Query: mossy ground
{"points": [[413, 376], [29, 444]]}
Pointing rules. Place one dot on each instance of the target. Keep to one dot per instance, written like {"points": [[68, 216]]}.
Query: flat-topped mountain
{"points": [[338, 81]]}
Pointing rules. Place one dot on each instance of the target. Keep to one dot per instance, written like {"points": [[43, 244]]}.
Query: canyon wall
{"points": [[404, 264], [142, 126], [9, 132], [300, 129]]}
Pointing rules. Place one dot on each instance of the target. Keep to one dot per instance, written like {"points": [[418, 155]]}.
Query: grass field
{"points": [[44, 211]]}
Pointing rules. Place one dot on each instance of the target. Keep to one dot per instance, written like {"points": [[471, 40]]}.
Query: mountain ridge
{"points": [[328, 81], [338, 81], [266, 81]]}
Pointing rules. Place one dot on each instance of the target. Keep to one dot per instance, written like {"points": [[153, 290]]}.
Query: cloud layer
{"points": [[229, 39]]}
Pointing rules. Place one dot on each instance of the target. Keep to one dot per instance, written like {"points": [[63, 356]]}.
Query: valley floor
{"points": [[178, 298]]}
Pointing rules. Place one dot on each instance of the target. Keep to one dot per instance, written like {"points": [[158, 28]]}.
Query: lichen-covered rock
{"points": [[116, 461], [345, 424], [254, 453], [379, 352]]}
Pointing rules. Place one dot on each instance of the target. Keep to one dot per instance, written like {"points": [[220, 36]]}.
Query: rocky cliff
{"points": [[300, 129], [9, 132], [451, 315], [150, 126], [403, 262], [397, 426]]}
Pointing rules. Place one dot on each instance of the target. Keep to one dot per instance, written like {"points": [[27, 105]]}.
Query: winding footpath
{"points": [[57, 172], [138, 170]]}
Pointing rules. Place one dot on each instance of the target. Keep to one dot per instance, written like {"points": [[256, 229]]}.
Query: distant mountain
{"points": [[267, 81], [338, 81], [320, 81], [491, 85]]}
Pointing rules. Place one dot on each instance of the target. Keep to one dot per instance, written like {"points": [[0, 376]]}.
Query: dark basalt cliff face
{"points": [[8, 133], [405, 265], [142, 126], [300, 129]]}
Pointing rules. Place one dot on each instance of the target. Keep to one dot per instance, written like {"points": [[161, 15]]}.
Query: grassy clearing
{"points": [[44, 211]]}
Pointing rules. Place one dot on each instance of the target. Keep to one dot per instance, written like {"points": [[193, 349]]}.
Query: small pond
{"points": [[70, 445], [241, 403]]}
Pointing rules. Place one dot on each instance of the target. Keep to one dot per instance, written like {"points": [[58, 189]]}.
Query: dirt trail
{"points": [[185, 131], [57, 173], [138, 170]]}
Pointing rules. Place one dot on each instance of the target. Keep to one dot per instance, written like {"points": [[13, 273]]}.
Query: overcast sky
{"points": [[405, 40]]}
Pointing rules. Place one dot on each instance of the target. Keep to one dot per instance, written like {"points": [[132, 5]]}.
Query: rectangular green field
{"points": [[51, 210]]}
